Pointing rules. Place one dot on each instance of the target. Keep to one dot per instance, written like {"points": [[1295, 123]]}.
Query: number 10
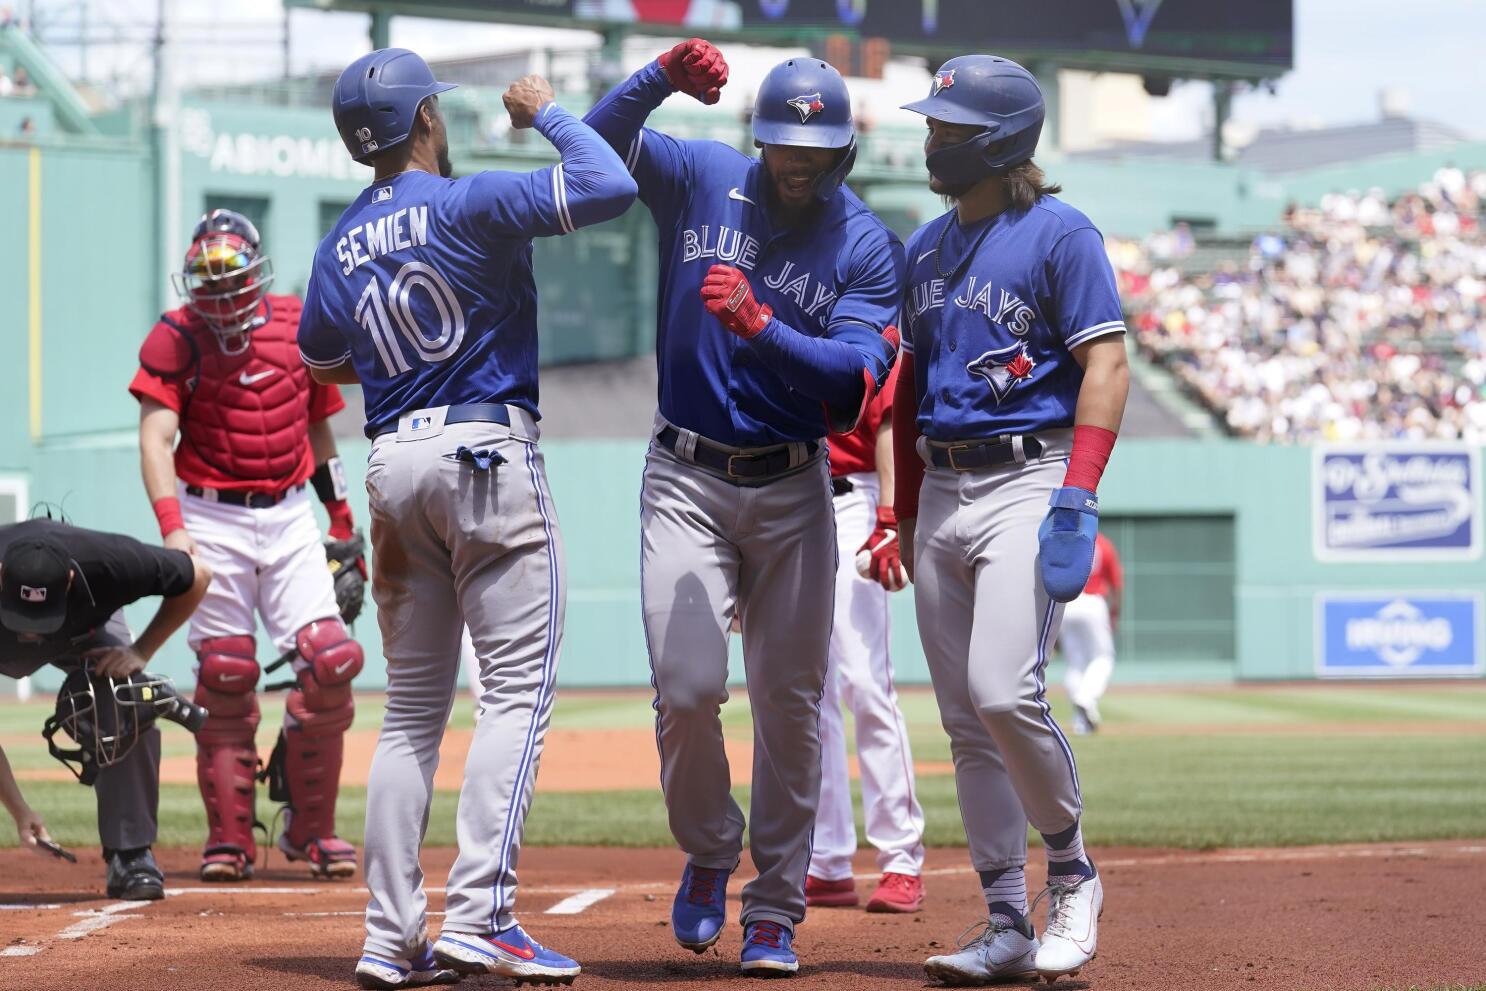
{"points": [[372, 313]]}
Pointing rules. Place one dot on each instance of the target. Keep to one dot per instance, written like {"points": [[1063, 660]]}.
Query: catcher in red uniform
{"points": [[224, 373]]}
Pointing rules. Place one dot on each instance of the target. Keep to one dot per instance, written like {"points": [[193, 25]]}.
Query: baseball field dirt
{"points": [[1313, 918]]}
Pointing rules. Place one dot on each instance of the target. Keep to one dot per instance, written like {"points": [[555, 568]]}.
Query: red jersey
{"points": [[1107, 578], [244, 417], [857, 451]]}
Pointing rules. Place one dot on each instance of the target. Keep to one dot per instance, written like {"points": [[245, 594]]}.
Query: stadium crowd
{"points": [[1361, 319]]}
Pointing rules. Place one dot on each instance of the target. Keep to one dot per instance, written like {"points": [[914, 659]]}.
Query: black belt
{"points": [[470, 413], [977, 454], [841, 486], [755, 466], [250, 500]]}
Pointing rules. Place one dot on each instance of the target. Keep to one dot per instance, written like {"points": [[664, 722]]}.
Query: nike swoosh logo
{"points": [[231, 677], [733, 194], [926, 254], [247, 379], [525, 952], [340, 669]]}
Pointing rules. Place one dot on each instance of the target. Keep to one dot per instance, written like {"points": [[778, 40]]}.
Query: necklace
{"points": [[939, 249]]}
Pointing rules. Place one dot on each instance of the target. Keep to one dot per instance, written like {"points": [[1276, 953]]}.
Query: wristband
{"points": [[168, 513], [329, 480], [1091, 447]]}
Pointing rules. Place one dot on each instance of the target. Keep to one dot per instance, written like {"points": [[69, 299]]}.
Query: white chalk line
{"points": [[575, 904], [24, 907]]}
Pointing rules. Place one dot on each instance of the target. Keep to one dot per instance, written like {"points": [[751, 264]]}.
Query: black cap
{"points": [[33, 586]]}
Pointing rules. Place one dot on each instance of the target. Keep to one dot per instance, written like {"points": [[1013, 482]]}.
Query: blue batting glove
{"points": [[1065, 542]]}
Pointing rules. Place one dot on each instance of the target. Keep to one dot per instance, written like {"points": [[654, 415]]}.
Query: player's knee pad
{"points": [[226, 677], [328, 660]]}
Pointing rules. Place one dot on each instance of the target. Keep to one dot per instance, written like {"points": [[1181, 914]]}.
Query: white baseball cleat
{"points": [[990, 951], [1072, 934]]}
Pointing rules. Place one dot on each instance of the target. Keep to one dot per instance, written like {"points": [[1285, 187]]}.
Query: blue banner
{"points": [[1397, 502], [1409, 635]]}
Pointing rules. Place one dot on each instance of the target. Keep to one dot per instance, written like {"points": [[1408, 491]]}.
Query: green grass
{"points": [[1210, 787]]}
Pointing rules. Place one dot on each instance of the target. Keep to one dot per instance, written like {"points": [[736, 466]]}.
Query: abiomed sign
{"points": [[282, 155], [1397, 502], [1407, 635]]}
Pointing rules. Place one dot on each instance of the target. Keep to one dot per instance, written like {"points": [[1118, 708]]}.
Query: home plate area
{"points": [[1306, 917]]}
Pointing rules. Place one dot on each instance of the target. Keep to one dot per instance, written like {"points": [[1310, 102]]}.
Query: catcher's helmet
{"points": [[377, 98], [990, 92], [804, 102], [225, 277], [105, 716]]}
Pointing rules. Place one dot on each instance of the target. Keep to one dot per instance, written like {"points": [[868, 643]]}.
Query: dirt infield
{"points": [[1350, 917]]}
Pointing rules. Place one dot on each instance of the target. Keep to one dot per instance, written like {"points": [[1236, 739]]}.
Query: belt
{"points": [[757, 465], [470, 413], [249, 500], [841, 486], [975, 455]]}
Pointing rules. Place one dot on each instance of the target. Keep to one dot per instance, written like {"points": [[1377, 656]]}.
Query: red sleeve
{"points": [[882, 403], [908, 467], [170, 393], [1114, 575], [325, 402]]}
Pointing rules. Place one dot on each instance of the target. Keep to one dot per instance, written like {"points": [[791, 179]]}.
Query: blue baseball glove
{"points": [[1065, 542]]}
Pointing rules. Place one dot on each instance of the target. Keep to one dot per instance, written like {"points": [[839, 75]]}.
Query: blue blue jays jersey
{"points": [[840, 274], [425, 284], [992, 313]]}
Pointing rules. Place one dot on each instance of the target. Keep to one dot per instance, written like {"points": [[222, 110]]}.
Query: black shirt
{"points": [[112, 571]]}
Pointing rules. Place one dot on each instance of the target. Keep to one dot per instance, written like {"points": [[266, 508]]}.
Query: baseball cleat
{"points": [[226, 864], [830, 894], [1072, 934], [997, 951], [332, 857], [384, 974], [508, 953], [700, 909], [134, 876], [897, 893], [768, 950]]}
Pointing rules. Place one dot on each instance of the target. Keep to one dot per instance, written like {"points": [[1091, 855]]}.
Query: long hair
{"points": [[1026, 184]]}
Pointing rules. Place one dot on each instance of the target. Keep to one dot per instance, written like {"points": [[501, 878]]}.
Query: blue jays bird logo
{"points": [[1003, 368], [943, 79], [807, 106]]}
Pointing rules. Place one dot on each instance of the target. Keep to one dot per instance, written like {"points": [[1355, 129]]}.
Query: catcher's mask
{"points": [[106, 716], [225, 277]]}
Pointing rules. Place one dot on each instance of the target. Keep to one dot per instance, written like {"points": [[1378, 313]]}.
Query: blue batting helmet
{"points": [[377, 98], [990, 92], [804, 102]]}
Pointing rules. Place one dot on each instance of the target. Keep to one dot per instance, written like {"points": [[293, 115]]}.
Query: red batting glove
{"points": [[880, 558], [728, 297], [341, 525], [696, 68]]}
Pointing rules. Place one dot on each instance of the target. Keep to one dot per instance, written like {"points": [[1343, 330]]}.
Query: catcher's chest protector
{"points": [[248, 415]]}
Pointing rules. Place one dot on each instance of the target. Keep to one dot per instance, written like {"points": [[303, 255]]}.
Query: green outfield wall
{"points": [[1216, 537]]}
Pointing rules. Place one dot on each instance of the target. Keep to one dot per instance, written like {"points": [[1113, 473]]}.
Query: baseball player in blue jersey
{"points": [[777, 288], [1011, 391], [423, 293]]}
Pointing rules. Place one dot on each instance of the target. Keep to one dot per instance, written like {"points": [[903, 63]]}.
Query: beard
{"points": [[951, 191], [446, 167]]}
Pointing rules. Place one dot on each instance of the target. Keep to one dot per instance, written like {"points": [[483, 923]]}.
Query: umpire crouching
{"points": [[62, 591]]}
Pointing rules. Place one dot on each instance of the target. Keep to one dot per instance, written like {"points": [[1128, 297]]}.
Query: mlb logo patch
{"points": [[420, 423], [807, 106], [943, 80], [29, 594], [382, 194]]}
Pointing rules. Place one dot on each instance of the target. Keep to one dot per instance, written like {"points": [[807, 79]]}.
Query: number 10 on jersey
{"points": [[373, 310]]}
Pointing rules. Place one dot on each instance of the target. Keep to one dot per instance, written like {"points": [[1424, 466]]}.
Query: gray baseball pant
{"points": [[710, 547], [453, 544], [987, 629]]}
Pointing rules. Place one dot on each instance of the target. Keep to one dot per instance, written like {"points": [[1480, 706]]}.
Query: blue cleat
{"points": [[508, 953], [700, 909], [768, 950], [386, 974]]}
